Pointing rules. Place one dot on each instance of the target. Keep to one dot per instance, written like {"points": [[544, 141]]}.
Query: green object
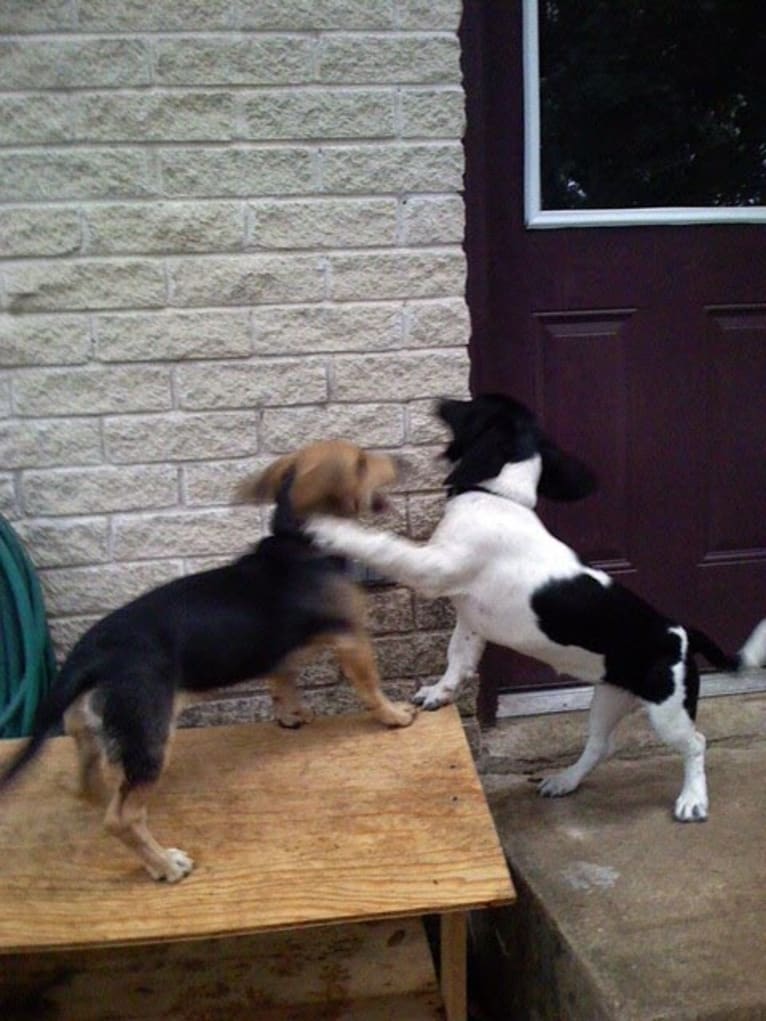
{"points": [[27, 664]]}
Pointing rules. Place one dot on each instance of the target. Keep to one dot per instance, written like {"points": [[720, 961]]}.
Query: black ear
{"points": [[484, 460], [564, 477]]}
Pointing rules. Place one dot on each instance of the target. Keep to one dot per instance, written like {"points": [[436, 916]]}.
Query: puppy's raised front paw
{"points": [[176, 866], [432, 696]]}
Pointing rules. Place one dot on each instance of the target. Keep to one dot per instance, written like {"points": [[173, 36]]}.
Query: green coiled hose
{"points": [[27, 664]]}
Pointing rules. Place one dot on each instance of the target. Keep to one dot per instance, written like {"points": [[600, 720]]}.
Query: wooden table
{"points": [[338, 823]]}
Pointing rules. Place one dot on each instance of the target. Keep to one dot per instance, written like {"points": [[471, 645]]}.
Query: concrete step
{"points": [[623, 913]]}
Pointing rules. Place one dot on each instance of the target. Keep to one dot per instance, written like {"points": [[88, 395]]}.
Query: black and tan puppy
{"points": [[125, 680]]}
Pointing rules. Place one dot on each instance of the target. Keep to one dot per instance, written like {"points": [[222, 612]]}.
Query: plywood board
{"points": [[343, 820], [371, 971]]}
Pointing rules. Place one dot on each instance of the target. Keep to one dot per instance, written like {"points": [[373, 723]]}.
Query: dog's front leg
{"points": [[463, 655], [432, 569], [607, 708]]}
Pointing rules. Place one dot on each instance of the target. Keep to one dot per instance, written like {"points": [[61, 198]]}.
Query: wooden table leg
{"points": [[454, 927]]}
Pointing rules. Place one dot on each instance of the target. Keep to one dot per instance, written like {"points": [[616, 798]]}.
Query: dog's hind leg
{"points": [[357, 659], [83, 724], [608, 707], [289, 709], [126, 819], [463, 655], [673, 720]]}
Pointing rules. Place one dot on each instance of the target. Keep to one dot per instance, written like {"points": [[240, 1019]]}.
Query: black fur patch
{"points": [[638, 648], [492, 431]]}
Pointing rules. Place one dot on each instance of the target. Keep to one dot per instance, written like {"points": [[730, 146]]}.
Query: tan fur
{"points": [[334, 477], [331, 477]]}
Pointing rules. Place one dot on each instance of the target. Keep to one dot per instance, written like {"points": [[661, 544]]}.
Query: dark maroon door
{"points": [[643, 349]]}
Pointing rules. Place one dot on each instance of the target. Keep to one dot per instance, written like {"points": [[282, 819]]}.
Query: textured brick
{"points": [[411, 655], [38, 16], [423, 425], [242, 172], [314, 328], [312, 15], [74, 63], [65, 543], [197, 533], [154, 117], [252, 384], [8, 505], [97, 590], [246, 280], [37, 444], [415, 374], [165, 336], [421, 468], [442, 323], [26, 230], [389, 609], [43, 340], [400, 274], [433, 113], [434, 614], [85, 284], [428, 14], [135, 439], [433, 220], [65, 631], [370, 425], [150, 16], [92, 390], [264, 60], [424, 512], [323, 223], [393, 168], [56, 174], [168, 227], [319, 113], [101, 490], [214, 482], [5, 398], [30, 119], [402, 59]]}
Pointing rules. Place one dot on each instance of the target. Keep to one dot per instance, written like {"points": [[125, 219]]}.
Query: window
{"points": [[644, 112]]}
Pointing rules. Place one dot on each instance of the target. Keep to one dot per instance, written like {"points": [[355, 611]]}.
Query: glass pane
{"points": [[652, 104]]}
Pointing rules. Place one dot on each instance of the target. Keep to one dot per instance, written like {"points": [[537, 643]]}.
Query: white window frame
{"points": [[538, 218]]}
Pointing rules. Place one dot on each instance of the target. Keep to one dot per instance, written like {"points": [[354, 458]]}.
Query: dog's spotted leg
{"points": [[357, 660], [608, 707], [463, 655], [674, 725], [126, 819], [289, 709]]}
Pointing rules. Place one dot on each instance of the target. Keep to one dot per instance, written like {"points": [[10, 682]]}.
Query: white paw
{"points": [[432, 696], [691, 806], [559, 784], [177, 865]]}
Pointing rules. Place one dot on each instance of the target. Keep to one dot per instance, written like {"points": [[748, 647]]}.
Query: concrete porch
{"points": [[624, 914]]}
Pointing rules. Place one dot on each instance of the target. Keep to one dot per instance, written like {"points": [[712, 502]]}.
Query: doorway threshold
{"points": [[578, 697]]}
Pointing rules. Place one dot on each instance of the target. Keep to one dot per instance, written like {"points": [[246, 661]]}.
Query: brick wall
{"points": [[227, 227]]}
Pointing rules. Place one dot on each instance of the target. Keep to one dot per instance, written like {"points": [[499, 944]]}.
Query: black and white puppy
{"points": [[515, 584]]}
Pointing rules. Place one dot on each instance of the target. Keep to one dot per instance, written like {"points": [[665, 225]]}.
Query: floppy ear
{"points": [[484, 460], [564, 477], [264, 487]]}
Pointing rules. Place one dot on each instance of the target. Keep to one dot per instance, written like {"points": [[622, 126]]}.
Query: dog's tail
{"points": [[69, 684], [751, 655]]}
